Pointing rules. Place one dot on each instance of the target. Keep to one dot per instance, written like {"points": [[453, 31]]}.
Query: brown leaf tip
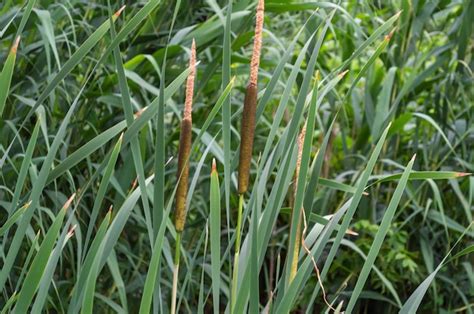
{"points": [[463, 174], [389, 36], [139, 113], [14, 48], [214, 167], [71, 231], [69, 201], [117, 14], [342, 74]]}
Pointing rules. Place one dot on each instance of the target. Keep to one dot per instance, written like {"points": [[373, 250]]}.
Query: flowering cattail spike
{"points": [[185, 145], [294, 260], [250, 105]]}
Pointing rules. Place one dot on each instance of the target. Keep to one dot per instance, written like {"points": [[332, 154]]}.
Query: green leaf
{"points": [[215, 222], [6, 75], [37, 268], [380, 236], [414, 301]]}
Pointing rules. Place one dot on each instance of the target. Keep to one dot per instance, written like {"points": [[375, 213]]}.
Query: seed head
{"points": [[185, 142], [250, 105], [257, 43]]}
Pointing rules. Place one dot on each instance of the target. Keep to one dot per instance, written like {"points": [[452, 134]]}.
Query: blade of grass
{"points": [[6, 74], [380, 236], [132, 131], [215, 226], [414, 301], [25, 17], [35, 195], [13, 219], [25, 165], [134, 144], [104, 183], [37, 268], [80, 285]]}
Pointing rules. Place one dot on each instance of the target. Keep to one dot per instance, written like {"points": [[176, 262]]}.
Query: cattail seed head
{"points": [[300, 155], [257, 43], [247, 133], [250, 105], [185, 142]]}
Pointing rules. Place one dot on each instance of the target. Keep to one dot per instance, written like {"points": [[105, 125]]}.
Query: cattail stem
{"points": [[250, 105], [237, 253], [247, 134], [174, 290], [296, 250], [185, 142]]}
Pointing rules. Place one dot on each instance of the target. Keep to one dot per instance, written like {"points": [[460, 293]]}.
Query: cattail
{"points": [[250, 105], [294, 260], [185, 146]]}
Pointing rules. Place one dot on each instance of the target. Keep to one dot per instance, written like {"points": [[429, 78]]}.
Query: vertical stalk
{"points": [[175, 272], [237, 253], [247, 133], [185, 142]]}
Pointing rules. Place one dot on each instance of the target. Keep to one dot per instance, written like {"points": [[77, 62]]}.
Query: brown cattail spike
{"points": [[294, 260], [250, 105], [185, 141]]}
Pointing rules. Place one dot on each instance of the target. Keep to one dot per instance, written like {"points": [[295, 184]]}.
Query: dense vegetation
{"points": [[92, 101]]}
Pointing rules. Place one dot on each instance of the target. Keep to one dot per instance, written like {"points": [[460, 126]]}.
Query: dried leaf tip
{"points": [[389, 36], [27, 204], [463, 174], [342, 74], [413, 158], [14, 48], [257, 43], [214, 167], [71, 231], [190, 83], [117, 14], [69, 201]]}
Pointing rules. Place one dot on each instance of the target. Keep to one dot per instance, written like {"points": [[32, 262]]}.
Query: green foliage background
{"points": [[416, 73]]}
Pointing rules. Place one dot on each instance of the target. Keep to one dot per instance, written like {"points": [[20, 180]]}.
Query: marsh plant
{"points": [[236, 156]]}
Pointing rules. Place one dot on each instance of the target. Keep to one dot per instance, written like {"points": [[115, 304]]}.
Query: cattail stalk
{"points": [[250, 105], [247, 133], [295, 253], [185, 142]]}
